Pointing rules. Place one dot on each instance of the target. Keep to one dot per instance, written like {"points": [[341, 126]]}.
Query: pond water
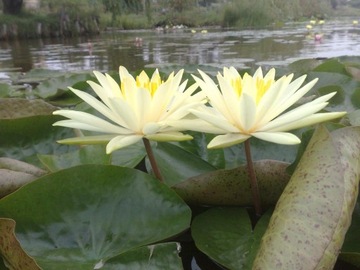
{"points": [[158, 48]]}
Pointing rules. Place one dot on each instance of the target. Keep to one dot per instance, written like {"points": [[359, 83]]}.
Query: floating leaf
{"points": [[232, 187], [235, 155], [57, 86], [15, 173], [11, 108], [10, 250], [91, 154], [81, 217], [177, 165], [333, 65], [308, 226], [226, 236], [154, 257], [129, 156], [25, 138], [344, 100], [198, 146]]}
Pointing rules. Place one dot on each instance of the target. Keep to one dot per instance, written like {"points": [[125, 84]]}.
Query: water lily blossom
{"points": [[138, 108], [258, 106]]}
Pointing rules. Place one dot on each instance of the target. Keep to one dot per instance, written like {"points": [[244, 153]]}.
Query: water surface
{"points": [[157, 48]]}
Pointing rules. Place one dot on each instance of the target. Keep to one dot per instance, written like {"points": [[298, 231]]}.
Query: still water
{"points": [[182, 47]]}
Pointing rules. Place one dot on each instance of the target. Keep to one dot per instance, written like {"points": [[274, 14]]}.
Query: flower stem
{"points": [[253, 181], [152, 160]]}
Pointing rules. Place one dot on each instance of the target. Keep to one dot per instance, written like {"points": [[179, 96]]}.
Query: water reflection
{"points": [[216, 47]]}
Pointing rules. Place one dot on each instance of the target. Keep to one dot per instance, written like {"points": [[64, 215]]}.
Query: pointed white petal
{"points": [[97, 105], [310, 120], [99, 90], [197, 124], [231, 99], [247, 112], [293, 115], [169, 137], [151, 128], [91, 120], [115, 87], [110, 92], [265, 107], [142, 106], [227, 140], [100, 139], [125, 112], [216, 120], [121, 142], [277, 137], [286, 103], [78, 125], [213, 93]]}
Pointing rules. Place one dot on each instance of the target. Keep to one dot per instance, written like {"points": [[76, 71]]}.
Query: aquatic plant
{"points": [[68, 207]]}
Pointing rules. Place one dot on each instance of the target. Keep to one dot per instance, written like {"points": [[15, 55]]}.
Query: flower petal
{"points": [[247, 112], [151, 128], [215, 119], [124, 111], [121, 142], [90, 120], [277, 137], [196, 124], [222, 141], [310, 120], [299, 112], [100, 139], [169, 136], [97, 105]]}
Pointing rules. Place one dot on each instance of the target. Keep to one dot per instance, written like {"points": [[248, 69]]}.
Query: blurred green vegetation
{"points": [[67, 17]]}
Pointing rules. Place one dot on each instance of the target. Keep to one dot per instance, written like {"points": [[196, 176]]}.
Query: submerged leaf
{"points": [[308, 226], [232, 187]]}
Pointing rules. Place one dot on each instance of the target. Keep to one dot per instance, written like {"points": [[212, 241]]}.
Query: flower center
{"points": [[237, 85], [261, 87], [143, 81]]}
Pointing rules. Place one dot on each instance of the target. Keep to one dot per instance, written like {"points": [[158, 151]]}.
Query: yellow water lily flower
{"points": [[137, 108], [258, 106]]}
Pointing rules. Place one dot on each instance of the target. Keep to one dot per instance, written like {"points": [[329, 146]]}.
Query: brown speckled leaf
{"points": [[232, 187], [10, 250], [308, 226]]}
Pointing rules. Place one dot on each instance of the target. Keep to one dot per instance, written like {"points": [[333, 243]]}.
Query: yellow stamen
{"points": [[237, 85], [144, 82], [262, 86]]}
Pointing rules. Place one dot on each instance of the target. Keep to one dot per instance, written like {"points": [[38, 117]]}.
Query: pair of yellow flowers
{"points": [[235, 108]]}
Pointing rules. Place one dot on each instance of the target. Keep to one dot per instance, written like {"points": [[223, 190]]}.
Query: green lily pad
{"points": [[129, 156], [226, 236], [81, 217], [57, 86], [177, 165], [154, 257]]}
